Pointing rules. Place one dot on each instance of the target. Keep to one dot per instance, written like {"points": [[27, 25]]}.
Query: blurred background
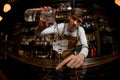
{"points": [[18, 7]]}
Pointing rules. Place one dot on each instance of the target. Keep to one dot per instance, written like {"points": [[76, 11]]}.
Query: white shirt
{"points": [[59, 29]]}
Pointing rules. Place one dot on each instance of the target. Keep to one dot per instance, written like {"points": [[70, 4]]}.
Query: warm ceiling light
{"points": [[6, 8], [117, 2], [1, 18]]}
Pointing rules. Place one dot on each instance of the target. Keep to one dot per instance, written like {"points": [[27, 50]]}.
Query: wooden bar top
{"points": [[52, 63]]}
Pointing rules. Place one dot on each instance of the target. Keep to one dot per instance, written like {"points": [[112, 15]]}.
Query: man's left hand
{"points": [[73, 61]]}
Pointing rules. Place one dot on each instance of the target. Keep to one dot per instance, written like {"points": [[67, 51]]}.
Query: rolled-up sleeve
{"points": [[83, 41]]}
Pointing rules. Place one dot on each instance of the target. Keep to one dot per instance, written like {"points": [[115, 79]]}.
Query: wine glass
{"points": [[59, 46]]}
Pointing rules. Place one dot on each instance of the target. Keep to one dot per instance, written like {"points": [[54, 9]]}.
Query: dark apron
{"points": [[72, 40]]}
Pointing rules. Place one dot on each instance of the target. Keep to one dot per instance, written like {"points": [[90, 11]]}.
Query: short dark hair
{"points": [[77, 12]]}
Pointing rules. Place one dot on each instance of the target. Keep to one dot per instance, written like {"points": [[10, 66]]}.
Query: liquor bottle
{"points": [[33, 14], [93, 51]]}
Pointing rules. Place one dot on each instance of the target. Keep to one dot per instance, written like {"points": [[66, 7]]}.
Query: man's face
{"points": [[74, 22]]}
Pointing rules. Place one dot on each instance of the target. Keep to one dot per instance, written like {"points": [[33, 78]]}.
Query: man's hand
{"points": [[44, 19], [73, 61]]}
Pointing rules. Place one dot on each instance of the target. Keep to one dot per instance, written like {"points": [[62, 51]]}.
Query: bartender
{"points": [[71, 31]]}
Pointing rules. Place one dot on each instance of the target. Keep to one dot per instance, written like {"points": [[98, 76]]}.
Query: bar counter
{"points": [[22, 67], [52, 63]]}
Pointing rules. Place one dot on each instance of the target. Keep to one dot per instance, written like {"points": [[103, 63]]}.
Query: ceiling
{"points": [[19, 6]]}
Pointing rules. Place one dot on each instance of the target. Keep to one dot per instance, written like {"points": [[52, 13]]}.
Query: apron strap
{"points": [[63, 31]]}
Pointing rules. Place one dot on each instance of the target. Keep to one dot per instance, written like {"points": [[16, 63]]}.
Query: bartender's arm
{"points": [[76, 61]]}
